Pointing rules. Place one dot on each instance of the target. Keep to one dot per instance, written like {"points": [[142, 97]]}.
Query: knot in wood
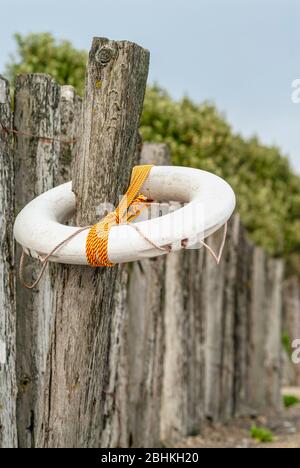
{"points": [[105, 55]]}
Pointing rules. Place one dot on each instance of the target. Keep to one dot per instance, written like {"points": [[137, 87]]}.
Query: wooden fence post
{"points": [[36, 168], [228, 343], [142, 344], [242, 320], [183, 375], [8, 432], [70, 112], [85, 341], [219, 308], [273, 344], [257, 332], [265, 332]]}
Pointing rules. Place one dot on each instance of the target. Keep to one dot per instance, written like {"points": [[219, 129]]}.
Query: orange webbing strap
{"points": [[97, 239]]}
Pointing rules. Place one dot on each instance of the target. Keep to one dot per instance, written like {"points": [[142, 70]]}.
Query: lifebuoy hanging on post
{"points": [[208, 201]]}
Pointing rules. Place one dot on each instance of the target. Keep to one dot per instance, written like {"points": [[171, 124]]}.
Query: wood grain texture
{"points": [[265, 332], [88, 315], [115, 88], [67, 111], [70, 113], [257, 331], [36, 170], [182, 410], [8, 389], [142, 343], [219, 304], [227, 341], [167, 294], [273, 345], [241, 325]]}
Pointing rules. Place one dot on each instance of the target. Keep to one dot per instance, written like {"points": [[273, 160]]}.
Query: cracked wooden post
{"points": [[241, 326], [36, 164], [141, 361], [265, 331], [70, 112], [226, 304], [257, 329], [227, 340], [8, 392], [40, 109], [291, 327], [81, 370], [183, 375], [273, 344], [199, 356]]}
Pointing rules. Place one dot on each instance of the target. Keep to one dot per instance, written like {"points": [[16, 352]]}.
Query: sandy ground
{"points": [[285, 428]]}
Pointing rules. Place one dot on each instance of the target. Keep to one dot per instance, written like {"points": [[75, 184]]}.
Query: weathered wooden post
{"points": [[183, 381], [257, 330], [227, 339], [265, 331], [83, 355], [273, 344], [142, 344], [36, 152], [70, 112], [219, 283], [8, 432], [291, 326], [242, 321]]}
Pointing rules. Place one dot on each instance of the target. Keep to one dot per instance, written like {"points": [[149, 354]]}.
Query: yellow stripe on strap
{"points": [[127, 211]]}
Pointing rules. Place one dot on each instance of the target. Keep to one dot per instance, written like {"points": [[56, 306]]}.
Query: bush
{"points": [[42, 53], [286, 343], [290, 400], [261, 434]]}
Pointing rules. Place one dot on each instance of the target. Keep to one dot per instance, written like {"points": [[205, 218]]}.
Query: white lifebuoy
{"points": [[209, 202]]}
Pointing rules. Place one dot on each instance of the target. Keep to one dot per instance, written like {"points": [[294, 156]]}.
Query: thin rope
{"points": [[45, 260], [166, 248], [218, 256], [39, 137]]}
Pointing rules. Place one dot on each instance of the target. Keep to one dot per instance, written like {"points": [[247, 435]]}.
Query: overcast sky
{"points": [[241, 54]]}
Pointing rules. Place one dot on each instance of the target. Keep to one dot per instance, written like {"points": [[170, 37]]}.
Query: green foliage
{"points": [[290, 400], [268, 193], [286, 343], [261, 434], [42, 53]]}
